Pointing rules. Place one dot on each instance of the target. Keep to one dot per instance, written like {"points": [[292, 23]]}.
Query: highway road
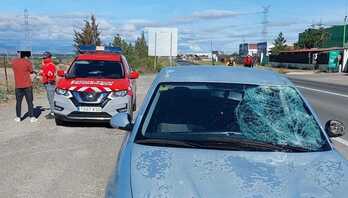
{"points": [[329, 100]]}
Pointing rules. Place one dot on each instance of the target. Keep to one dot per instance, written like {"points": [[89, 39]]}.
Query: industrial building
{"points": [[335, 36]]}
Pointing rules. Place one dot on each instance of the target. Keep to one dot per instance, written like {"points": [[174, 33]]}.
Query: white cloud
{"points": [[210, 14], [61, 28]]}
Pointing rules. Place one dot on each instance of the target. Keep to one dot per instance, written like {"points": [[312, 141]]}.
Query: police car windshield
{"points": [[96, 69]]}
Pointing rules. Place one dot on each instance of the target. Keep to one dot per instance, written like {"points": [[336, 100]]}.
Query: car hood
{"points": [[94, 85], [182, 172]]}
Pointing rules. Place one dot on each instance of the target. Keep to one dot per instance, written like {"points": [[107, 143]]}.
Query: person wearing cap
{"points": [[48, 78], [22, 70]]}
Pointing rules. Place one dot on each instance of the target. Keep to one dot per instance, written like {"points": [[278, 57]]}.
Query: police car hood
{"points": [[181, 172], [94, 85]]}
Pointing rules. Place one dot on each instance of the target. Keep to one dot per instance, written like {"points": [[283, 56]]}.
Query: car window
{"points": [[209, 111], [96, 68]]}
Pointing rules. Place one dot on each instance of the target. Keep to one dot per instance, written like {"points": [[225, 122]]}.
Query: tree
{"points": [[279, 44], [127, 47], [137, 54], [312, 37], [89, 34], [141, 47]]}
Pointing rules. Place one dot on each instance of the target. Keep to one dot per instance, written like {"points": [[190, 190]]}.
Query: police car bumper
{"points": [[68, 109]]}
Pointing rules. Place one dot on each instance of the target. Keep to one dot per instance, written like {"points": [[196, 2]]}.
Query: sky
{"points": [[224, 23]]}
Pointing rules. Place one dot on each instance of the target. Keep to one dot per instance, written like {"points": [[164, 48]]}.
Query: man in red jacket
{"points": [[48, 78], [22, 69], [248, 61]]}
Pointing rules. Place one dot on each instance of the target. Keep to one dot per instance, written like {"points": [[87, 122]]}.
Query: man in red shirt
{"points": [[22, 69], [248, 61], [48, 78]]}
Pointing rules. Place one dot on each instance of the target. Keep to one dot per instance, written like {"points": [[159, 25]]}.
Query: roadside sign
{"points": [[162, 41], [333, 55]]}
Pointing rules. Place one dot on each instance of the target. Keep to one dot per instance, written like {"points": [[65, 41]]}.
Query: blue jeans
{"points": [[50, 88]]}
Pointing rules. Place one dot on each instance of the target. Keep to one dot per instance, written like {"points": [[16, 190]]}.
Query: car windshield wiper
{"points": [[167, 142], [230, 144], [196, 144], [263, 146]]}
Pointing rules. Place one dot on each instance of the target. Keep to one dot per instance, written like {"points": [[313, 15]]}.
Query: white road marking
{"points": [[323, 91], [341, 140]]}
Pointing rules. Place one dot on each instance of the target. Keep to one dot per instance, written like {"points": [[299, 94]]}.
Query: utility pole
{"points": [[344, 62], [344, 31], [155, 61], [212, 52], [27, 39], [265, 22]]}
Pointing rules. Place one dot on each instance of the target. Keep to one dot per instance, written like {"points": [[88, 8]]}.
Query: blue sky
{"points": [[225, 22]]}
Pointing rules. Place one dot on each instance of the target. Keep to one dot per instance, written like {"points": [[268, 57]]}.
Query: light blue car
{"points": [[223, 132]]}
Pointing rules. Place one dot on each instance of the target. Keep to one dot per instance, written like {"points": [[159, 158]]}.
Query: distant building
{"points": [[262, 49], [248, 49], [315, 58], [335, 36], [254, 49]]}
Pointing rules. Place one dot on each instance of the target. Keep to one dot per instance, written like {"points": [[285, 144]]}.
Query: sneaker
{"points": [[33, 119], [49, 116], [17, 119]]}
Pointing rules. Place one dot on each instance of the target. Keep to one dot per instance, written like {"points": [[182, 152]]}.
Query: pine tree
{"points": [[141, 47], [88, 35], [279, 44]]}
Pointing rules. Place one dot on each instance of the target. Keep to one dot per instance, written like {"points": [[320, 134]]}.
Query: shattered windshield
{"points": [[221, 112]]}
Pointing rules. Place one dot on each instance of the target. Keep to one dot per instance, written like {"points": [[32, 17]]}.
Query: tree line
{"points": [[310, 38], [136, 53]]}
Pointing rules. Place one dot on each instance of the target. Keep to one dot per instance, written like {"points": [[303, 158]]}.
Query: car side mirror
{"points": [[121, 121], [61, 73], [134, 75], [334, 128]]}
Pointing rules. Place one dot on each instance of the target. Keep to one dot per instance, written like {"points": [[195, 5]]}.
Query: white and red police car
{"points": [[98, 84]]}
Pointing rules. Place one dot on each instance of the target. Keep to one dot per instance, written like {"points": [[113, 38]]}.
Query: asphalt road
{"points": [[330, 101]]}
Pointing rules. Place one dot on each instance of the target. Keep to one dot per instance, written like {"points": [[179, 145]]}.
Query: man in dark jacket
{"points": [[22, 70]]}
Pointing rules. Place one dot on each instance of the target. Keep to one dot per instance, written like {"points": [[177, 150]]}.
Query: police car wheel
{"points": [[59, 122], [134, 108]]}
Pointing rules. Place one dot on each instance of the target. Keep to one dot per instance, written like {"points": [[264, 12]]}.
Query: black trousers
{"points": [[28, 94]]}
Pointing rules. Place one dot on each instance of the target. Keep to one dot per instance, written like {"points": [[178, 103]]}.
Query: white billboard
{"points": [[163, 41]]}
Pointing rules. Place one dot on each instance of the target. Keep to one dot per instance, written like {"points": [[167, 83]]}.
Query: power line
{"points": [[265, 22], [26, 45]]}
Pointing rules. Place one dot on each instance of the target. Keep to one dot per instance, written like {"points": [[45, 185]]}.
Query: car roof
{"points": [[102, 56], [222, 74]]}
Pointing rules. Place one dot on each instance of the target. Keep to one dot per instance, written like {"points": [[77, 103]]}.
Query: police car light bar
{"points": [[93, 48]]}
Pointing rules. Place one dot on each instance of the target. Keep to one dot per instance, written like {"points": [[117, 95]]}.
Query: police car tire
{"points": [[134, 108], [59, 122]]}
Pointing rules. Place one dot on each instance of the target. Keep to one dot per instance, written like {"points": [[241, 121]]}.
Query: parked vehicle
{"points": [[98, 84], [227, 132]]}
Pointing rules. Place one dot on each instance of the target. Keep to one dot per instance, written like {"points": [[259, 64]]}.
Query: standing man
{"points": [[22, 69], [48, 76], [248, 61]]}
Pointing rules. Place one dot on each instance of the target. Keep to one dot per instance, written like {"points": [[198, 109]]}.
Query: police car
{"points": [[98, 84]]}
